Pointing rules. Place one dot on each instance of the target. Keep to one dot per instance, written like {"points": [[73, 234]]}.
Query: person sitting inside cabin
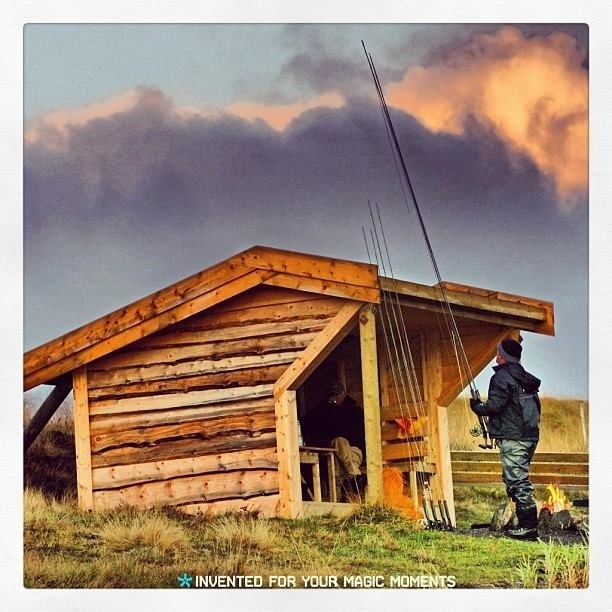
{"points": [[516, 432], [337, 423]]}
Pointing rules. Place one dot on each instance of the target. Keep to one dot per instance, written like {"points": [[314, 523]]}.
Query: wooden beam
{"points": [[312, 266], [444, 462], [337, 509], [138, 473], [555, 458], [289, 480], [82, 439], [318, 350], [324, 287], [452, 387], [262, 505], [165, 401], [438, 421], [219, 486], [471, 297], [461, 313], [46, 411], [371, 403]]}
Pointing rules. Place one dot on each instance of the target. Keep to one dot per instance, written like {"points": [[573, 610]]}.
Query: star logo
{"points": [[185, 580]]}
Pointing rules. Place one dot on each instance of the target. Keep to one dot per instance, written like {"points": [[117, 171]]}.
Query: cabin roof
{"points": [[274, 267]]}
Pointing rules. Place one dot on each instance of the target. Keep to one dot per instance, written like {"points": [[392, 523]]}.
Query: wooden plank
{"points": [[265, 506], [390, 431], [325, 287], [402, 451], [371, 404], [546, 305], [110, 423], [124, 475], [338, 509], [188, 369], [177, 449], [217, 380], [396, 411], [212, 487], [556, 479], [172, 337], [205, 428], [419, 310], [452, 385], [289, 479], [148, 326], [412, 467], [82, 440], [263, 304], [319, 349], [539, 457], [214, 351], [46, 410], [178, 400], [311, 266], [579, 469], [526, 308], [445, 469]]}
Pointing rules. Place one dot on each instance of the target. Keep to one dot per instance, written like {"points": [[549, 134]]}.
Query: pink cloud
{"points": [[532, 91], [279, 116]]}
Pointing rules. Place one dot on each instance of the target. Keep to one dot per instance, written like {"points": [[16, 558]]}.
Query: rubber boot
{"points": [[528, 524]]}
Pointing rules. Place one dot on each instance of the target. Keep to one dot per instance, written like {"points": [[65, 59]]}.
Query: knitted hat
{"points": [[510, 350]]}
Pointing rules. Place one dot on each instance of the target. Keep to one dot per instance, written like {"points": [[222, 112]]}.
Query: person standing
{"points": [[516, 433]]}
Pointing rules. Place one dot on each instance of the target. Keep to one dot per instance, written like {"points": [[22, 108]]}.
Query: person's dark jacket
{"points": [[502, 406], [328, 421]]}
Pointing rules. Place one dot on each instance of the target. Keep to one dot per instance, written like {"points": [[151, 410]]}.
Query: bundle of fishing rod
{"points": [[397, 345]]}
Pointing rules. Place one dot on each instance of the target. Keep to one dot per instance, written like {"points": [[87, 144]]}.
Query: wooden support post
{"points": [[371, 403], [438, 423], [445, 470], [82, 439], [585, 439], [289, 480], [46, 411]]}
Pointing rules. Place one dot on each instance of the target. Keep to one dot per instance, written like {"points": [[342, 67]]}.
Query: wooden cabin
{"points": [[191, 396]]}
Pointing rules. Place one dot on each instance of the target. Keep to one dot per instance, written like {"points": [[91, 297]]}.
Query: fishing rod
{"points": [[446, 307], [396, 338]]}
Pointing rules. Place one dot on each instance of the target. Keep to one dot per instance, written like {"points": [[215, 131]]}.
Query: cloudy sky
{"points": [[154, 151]]}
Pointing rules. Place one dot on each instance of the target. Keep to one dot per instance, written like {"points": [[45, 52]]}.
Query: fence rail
{"points": [[482, 467]]}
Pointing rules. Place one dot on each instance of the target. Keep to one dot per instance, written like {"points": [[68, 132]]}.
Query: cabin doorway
{"points": [[321, 472]]}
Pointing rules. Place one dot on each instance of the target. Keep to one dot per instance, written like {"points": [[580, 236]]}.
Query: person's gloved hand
{"points": [[473, 403]]}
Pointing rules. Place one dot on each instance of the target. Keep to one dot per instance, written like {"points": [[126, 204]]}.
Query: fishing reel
{"points": [[476, 431]]}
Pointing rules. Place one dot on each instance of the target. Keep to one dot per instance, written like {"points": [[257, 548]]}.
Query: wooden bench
{"points": [[312, 455]]}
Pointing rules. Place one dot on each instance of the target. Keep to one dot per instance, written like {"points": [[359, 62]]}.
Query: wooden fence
{"points": [[483, 467]]}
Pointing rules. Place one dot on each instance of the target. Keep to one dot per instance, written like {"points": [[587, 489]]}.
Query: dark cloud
{"points": [[138, 200], [437, 42], [149, 166]]}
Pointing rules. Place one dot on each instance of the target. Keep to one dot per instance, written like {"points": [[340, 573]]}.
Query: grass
{"points": [[125, 548], [555, 567], [151, 548]]}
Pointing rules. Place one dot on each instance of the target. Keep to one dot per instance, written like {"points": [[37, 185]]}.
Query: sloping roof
{"points": [[521, 312], [255, 266], [263, 265]]}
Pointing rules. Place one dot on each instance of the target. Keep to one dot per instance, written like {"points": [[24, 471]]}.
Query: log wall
{"points": [[186, 416]]}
